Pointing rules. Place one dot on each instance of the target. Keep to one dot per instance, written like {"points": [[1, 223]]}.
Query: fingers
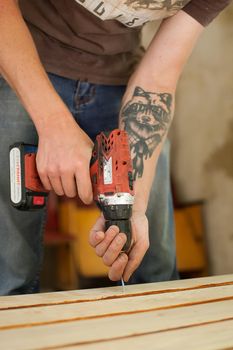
{"points": [[116, 271], [69, 185], [100, 240], [110, 237], [63, 160], [135, 257], [113, 250], [97, 232], [109, 246], [67, 182], [84, 186], [51, 182], [56, 184], [45, 181]]}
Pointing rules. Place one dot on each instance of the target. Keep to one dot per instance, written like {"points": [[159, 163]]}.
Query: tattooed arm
{"points": [[146, 114], [147, 111]]}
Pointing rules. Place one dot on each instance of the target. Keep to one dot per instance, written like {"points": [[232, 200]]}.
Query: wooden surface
{"points": [[187, 314]]}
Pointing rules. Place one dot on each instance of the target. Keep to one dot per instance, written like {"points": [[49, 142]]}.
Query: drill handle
{"points": [[124, 227]]}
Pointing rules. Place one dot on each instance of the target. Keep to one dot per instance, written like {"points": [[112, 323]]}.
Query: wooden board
{"points": [[193, 314]]}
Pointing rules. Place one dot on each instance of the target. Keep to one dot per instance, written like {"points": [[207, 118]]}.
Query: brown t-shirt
{"points": [[99, 41]]}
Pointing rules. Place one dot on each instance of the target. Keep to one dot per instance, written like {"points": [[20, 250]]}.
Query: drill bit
{"points": [[123, 285]]}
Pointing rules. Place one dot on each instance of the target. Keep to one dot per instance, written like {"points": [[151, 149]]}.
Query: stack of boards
{"points": [[186, 314]]}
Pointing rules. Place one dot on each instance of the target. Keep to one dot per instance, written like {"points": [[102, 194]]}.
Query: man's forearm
{"points": [[21, 67], [64, 150], [146, 117], [148, 104]]}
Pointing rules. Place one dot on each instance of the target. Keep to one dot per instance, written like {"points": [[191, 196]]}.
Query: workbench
{"points": [[178, 315]]}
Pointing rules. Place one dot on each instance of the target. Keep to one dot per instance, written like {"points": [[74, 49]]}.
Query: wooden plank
{"points": [[214, 336], [167, 313], [83, 332], [27, 317], [112, 292]]}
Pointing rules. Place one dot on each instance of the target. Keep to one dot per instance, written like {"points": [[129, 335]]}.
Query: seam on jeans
{"points": [[75, 99], [84, 99]]}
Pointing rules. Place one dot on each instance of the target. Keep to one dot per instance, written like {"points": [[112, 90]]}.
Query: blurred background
{"points": [[202, 176]]}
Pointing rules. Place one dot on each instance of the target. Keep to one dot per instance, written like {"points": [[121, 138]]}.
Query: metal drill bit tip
{"points": [[123, 285]]}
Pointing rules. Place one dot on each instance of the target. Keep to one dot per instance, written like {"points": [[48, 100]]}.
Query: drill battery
{"points": [[26, 189]]}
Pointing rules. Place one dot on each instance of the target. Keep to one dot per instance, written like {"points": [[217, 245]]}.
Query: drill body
{"points": [[112, 180], [111, 176]]}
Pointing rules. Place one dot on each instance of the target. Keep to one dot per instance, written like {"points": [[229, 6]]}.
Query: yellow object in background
{"points": [[190, 243], [78, 220]]}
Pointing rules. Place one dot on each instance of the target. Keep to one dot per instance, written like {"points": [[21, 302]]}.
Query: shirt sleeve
{"points": [[204, 11]]}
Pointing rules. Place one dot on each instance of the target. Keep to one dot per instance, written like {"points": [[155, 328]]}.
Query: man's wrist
{"points": [[49, 121]]}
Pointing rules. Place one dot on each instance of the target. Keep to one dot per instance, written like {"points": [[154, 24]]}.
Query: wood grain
{"points": [[43, 299], [169, 314], [207, 337], [19, 318]]}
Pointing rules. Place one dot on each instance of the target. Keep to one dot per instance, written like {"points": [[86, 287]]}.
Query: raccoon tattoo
{"points": [[146, 118]]}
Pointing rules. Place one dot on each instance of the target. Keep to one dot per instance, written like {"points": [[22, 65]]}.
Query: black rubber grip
{"points": [[125, 227]]}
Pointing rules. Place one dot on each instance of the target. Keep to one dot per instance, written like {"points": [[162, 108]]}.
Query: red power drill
{"points": [[112, 180], [111, 176]]}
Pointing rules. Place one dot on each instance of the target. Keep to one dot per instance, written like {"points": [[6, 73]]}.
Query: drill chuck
{"points": [[119, 215]]}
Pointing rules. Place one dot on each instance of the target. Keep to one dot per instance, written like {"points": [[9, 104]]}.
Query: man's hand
{"points": [[109, 244], [63, 158], [64, 149]]}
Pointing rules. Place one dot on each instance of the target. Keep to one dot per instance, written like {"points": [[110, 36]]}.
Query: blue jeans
{"points": [[95, 108]]}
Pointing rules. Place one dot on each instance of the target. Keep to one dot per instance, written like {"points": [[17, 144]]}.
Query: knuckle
{"points": [[39, 162], [99, 251], [65, 169], [79, 163], [52, 172], [107, 261], [42, 172]]}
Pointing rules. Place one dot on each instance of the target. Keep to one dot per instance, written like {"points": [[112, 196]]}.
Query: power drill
{"points": [[111, 176], [112, 180]]}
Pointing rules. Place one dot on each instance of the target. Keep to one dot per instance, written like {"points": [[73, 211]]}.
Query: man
{"points": [[69, 65]]}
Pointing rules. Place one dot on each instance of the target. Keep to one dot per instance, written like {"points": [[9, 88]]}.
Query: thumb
{"points": [[97, 231]]}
